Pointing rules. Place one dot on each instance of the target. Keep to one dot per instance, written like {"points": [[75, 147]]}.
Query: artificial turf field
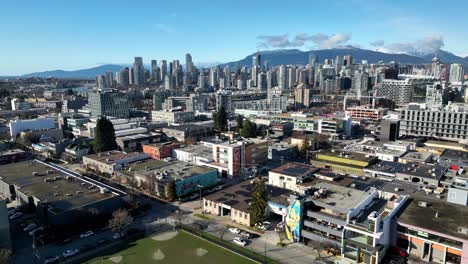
{"points": [[183, 248]]}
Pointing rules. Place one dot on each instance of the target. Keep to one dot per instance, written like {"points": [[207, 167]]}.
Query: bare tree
{"points": [[319, 246], [120, 221], [5, 256]]}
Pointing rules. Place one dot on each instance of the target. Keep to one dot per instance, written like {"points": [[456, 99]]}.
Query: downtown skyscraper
{"points": [[139, 72]]}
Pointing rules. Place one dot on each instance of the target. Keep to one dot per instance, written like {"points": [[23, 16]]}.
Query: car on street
{"points": [[117, 236], [16, 215], [70, 253], [234, 230], [86, 234], [29, 227], [51, 260], [12, 212], [35, 230], [239, 241], [218, 188]]}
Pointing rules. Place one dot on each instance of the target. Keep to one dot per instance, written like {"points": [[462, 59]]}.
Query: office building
{"points": [[110, 161], [108, 102], [447, 123]]}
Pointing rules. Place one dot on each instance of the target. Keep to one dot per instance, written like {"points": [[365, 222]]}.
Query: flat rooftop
{"points": [[423, 170], [454, 154], [450, 216], [11, 152], [347, 155], [177, 170], [62, 194], [295, 169], [418, 156], [112, 156], [199, 150], [339, 196], [386, 166], [149, 164]]}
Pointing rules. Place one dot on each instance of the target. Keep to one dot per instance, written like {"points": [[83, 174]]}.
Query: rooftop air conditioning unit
{"points": [[463, 230], [422, 204]]}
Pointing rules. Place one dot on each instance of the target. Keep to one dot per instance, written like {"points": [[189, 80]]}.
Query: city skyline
{"points": [[49, 36]]}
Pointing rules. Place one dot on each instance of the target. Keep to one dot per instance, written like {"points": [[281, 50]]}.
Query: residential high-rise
{"points": [[282, 78], [291, 77], [456, 73], [188, 63], [360, 83], [109, 79], [302, 97], [313, 59], [154, 70], [348, 60], [108, 102], [168, 82], [131, 76], [398, 91], [227, 77], [101, 81], [163, 69], [139, 72], [122, 79]]}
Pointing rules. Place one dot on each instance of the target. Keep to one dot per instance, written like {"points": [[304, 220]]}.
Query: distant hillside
{"points": [[79, 74], [294, 56]]}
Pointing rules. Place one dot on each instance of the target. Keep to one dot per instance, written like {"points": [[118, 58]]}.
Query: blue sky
{"points": [[50, 34]]}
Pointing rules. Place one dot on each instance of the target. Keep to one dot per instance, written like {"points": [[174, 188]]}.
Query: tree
{"points": [[171, 191], [249, 129], [5, 256], [220, 119], [120, 221], [105, 136], [319, 246], [259, 202], [240, 122]]}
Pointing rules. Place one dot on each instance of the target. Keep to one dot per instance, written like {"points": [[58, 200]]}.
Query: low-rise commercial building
{"points": [[343, 162], [12, 156], [59, 200], [110, 161], [159, 151], [18, 126], [188, 133], [434, 231], [291, 176], [188, 177], [135, 142], [172, 117]]}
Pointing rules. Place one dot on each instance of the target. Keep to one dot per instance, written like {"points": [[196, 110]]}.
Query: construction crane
{"points": [[361, 96]]}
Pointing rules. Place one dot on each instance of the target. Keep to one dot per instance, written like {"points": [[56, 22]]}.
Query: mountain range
{"points": [[278, 57]]}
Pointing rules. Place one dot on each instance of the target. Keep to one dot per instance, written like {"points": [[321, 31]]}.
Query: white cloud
{"points": [[319, 40], [427, 45], [165, 28]]}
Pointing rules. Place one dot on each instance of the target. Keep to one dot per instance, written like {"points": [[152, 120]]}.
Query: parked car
{"points": [[245, 234], [29, 227], [239, 241], [117, 236], [86, 234], [12, 211], [234, 230], [16, 215], [218, 188], [70, 253], [35, 230], [51, 260]]}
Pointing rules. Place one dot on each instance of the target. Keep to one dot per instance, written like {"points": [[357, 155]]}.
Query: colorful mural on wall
{"points": [[293, 221]]}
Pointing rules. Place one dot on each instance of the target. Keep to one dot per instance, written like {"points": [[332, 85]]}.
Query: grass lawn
{"points": [[183, 248]]}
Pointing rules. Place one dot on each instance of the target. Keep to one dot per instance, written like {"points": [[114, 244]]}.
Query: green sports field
{"points": [[183, 248]]}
